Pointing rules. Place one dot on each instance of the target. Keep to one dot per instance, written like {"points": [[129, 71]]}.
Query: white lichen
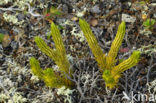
{"points": [[66, 92], [55, 67], [47, 96], [12, 19], [15, 68], [81, 13], [94, 1], [75, 30], [8, 82], [34, 78], [3, 97], [17, 98], [5, 2], [68, 22], [12, 97], [152, 86], [70, 58], [21, 3], [128, 18], [16, 6], [78, 34], [149, 49], [43, 6], [145, 32]]}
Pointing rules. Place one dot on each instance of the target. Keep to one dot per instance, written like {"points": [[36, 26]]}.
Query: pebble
{"points": [[128, 18], [6, 40], [94, 22]]}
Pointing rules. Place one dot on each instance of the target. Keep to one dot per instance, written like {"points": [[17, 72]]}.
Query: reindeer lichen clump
{"points": [[111, 73], [54, 79]]}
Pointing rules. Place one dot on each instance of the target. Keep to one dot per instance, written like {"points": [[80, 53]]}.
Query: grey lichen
{"points": [[3, 2], [66, 92], [16, 7], [15, 98], [145, 32], [149, 49], [21, 3], [12, 19], [152, 87], [75, 30]]}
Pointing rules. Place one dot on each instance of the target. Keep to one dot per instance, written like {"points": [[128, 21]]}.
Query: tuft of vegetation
{"points": [[54, 79], [149, 23], [51, 13], [107, 63]]}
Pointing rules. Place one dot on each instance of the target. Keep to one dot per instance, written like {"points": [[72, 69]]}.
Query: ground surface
{"points": [[21, 21]]}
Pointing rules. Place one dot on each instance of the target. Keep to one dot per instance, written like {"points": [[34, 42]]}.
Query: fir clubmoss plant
{"points": [[54, 79], [107, 63]]}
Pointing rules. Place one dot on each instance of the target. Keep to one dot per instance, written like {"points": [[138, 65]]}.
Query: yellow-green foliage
{"points": [[110, 59], [93, 44], [111, 73], [55, 79]]}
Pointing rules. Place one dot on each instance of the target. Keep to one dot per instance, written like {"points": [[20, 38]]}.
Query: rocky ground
{"points": [[22, 20]]}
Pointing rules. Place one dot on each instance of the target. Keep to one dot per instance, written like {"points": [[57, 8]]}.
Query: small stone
{"points": [[6, 40], [128, 18], [94, 22], [74, 19]]}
